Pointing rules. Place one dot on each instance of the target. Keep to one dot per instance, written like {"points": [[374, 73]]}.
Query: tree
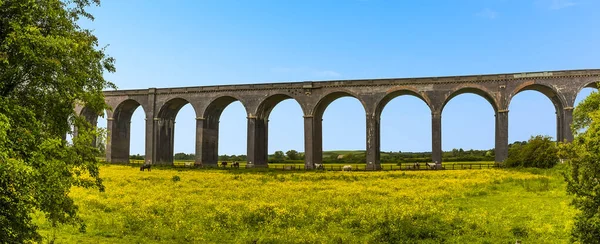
{"points": [[292, 154], [539, 152], [582, 113], [278, 156], [101, 136], [48, 63], [583, 177]]}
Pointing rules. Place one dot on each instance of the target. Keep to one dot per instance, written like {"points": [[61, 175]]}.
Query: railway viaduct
{"points": [[161, 105]]}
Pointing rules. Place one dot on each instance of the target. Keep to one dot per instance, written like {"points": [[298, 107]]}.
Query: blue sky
{"points": [[196, 43]]}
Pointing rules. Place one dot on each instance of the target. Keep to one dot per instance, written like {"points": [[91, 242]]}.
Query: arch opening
{"points": [[166, 130], [342, 143], [127, 122], [98, 122], [225, 123], [283, 133], [406, 130], [531, 113], [468, 128]]}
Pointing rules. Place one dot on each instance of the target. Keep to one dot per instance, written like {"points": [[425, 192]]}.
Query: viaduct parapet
{"points": [[161, 105]]}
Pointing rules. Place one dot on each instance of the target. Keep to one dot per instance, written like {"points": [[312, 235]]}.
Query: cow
{"points": [[146, 166], [236, 165], [319, 166], [347, 168], [224, 164]]}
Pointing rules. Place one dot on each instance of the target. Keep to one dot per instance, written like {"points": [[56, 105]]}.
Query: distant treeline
{"points": [[292, 156]]}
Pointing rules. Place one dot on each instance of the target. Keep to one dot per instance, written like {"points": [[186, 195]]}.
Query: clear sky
{"points": [[197, 43]]}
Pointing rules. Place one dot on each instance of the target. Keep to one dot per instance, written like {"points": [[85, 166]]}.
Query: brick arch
{"points": [[396, 92], [215, 107], [125, 109], [120, 129], [164, 128], [170, 108], [328, 98], [207, 146], [473, 89], [268, 104], [557, 100], [588, 85]]}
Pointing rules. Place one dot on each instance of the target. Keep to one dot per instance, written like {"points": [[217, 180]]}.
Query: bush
{"points": [[539, 152]]}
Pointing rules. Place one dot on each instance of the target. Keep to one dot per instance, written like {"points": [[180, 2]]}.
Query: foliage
{"points": [[101, 136], [212, 206], [47, 65], [233, 157], [137, 157], [539, 152], [183, 156], [583, 179], [292, 154], [581, 114], [278, 156]]}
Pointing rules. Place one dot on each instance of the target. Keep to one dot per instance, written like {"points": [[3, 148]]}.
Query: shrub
{"points": [[539, 152]]}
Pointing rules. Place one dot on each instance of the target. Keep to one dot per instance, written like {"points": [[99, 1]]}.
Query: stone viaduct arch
{"points": [[162, 105]]}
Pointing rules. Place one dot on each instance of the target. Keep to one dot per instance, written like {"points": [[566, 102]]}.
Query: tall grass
{"points": [[215, 206]]}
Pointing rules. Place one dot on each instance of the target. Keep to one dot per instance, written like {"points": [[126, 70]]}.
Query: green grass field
{"points": [[181, 205]]}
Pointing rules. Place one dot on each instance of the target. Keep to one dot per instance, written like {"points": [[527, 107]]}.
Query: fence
{"points": [[339, 167]]}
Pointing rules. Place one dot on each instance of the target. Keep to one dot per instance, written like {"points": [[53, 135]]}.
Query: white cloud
{"points": [[560, 4], [555, 4], [487, 13]]}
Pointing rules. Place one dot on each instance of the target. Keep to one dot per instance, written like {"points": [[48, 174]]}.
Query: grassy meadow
{"points": [[171, 205]]}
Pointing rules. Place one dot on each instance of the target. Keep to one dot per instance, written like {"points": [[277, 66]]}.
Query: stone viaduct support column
{"points": [[373, 142], [501, 150], [164, 139], [257, 141], [207, 142], [109, 139], [564, 121], [118, 133], [436, 137], [150, 123], [199, 144], [313, 145]]}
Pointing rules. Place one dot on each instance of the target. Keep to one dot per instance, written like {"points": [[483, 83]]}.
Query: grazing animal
{"points": [[319, 166], [416, 166], [224, 164], [187, 164], [145, 166], [236, 165], [347, 168]]}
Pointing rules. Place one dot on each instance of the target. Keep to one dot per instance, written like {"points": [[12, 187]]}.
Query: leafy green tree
{"points": [[48, 63], [185, 156], [539, 152], [278, 156], [101, 136], [292, 154], [583, 177], [582, 113]]}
